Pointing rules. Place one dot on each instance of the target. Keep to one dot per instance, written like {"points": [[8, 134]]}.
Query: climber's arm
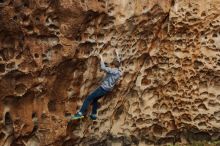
{"points": [[107, 69]]}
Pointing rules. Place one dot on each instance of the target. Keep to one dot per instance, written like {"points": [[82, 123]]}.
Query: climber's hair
{"points": [[116, 63]]}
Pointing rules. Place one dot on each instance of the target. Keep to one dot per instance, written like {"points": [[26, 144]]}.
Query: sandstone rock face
{"points": [[169, 92]]}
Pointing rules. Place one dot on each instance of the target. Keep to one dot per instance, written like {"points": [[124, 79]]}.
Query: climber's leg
{"points": [[95, 105], [95, 95], [94, 109]]}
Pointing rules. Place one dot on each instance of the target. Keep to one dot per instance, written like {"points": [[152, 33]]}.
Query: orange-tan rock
{"points": [[169, 92]]}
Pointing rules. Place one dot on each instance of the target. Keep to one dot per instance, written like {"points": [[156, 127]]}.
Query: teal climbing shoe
{"points": [[93, 117], [76, 116]]}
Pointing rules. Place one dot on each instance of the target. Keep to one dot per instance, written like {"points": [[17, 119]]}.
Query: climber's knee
{"points": [[90, 98]]}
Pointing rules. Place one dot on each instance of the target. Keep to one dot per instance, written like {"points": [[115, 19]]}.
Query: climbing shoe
{"points": [[93, 117], [76, 116]]}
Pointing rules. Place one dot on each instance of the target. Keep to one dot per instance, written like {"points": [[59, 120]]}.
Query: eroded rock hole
{"points": [[211, 41], [119, 111], [165, 140], [18, 3], [218, 97], [188, 14], [215, 35], [34, 115], [2, 135], [8, 119], [45, 61], [58, 47], [201, 136], [66, 114], [134, 139], [37, 19], [52, 26], [15, 18], [7, 54], [52, 106], [202, 106], [11, 65], [20, 88], [186, 117], [90, 15], [29, 28], [158, 130], [2, 68], [203, 13], [217, 114], [145, 81], [36, 55], [2, 1], [202, 124], [198, 64]]}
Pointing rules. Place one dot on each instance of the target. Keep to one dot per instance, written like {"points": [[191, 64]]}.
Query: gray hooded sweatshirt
{"points": [[111, 78]]}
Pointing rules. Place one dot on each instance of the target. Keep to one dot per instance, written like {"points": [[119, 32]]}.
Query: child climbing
{"points": [[113, 74]]}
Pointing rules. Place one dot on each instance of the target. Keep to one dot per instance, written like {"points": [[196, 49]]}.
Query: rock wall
{"points": [[169, 92]]}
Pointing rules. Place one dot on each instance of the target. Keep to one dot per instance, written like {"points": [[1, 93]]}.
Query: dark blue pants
{"points": [[93, 98]]}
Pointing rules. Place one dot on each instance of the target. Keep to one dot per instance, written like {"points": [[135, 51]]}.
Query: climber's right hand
{"points": [[100, 56]]}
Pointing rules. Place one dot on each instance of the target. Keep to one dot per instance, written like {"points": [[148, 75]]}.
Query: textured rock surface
{"points": [[170, 92]]}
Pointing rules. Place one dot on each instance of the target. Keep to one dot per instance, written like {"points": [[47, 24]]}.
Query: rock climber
{"points": [[113, 73]]}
